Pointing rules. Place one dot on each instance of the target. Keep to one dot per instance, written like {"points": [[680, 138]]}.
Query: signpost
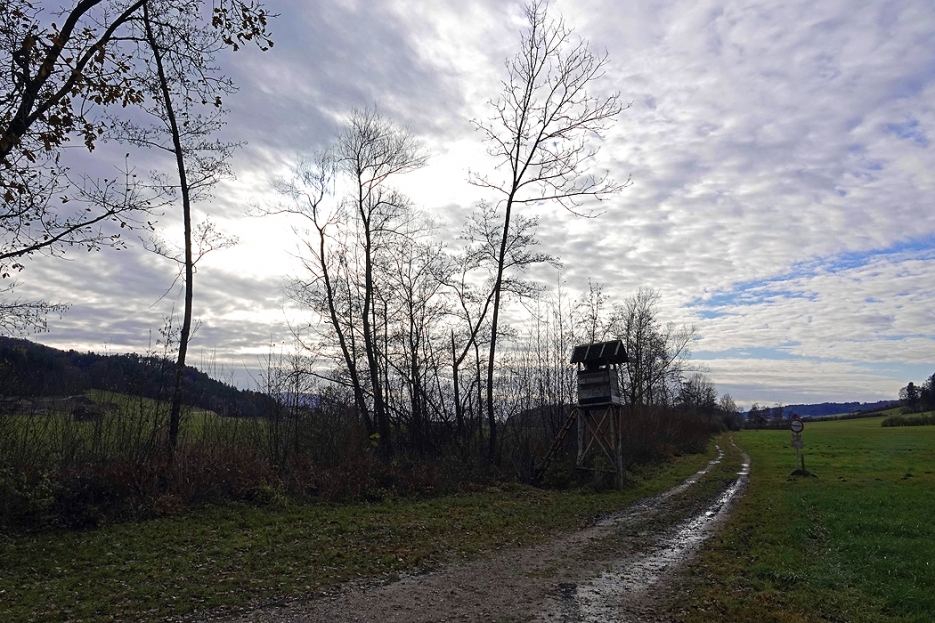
{"points": [[797, 426]]}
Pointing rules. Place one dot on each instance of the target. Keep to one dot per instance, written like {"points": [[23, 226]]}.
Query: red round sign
{"points": [[796, 425]]}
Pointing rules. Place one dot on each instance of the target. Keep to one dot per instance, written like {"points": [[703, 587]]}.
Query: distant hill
{"points": [[835, 408], [30, 369]]}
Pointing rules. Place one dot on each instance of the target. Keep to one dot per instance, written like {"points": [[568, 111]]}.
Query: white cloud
{"points": [[765, 141], [881, 310]]}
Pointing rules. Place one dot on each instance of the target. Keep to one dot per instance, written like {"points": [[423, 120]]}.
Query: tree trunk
{"points": [[385, 447], [185, 333], [501, 259], [459, 413]]}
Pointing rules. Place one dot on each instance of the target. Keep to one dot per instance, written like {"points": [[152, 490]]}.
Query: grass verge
{"points": [[856, 543], [233, 556]]}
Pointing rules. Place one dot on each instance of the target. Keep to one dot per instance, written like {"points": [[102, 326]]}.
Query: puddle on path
{"points": [[602, 598], [656, 502]]}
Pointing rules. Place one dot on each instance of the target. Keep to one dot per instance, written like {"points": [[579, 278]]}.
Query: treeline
{"points": [[433, 397], [767, 417], [918, 398], [778, 416], [311, 440], [28, 369], [835, 408], [912, 420]]}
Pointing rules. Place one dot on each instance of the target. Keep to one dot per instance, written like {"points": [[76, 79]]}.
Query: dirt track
{"points": [[620, 569]]}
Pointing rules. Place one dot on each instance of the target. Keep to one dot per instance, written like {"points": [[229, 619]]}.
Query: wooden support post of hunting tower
{"points": [[598, 412], [600, 430]]}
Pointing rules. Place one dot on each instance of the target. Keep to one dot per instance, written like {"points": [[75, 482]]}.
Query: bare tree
{"points": [[181, 93], [370, 151], [539, 135], [730, 414], [310, 191], [351, 245], [473, 282], [55, 79], [593, 307], [698, 395], [656, 354], [727, 405], [417, 272]]}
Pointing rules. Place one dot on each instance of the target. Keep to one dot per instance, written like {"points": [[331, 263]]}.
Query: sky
{"points": [[780, 157]]}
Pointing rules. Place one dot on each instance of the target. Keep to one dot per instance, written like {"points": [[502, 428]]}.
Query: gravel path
{"points": [[614, 571]]}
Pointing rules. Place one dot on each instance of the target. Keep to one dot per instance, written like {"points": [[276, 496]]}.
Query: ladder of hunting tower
{"points": [[557, 442]]}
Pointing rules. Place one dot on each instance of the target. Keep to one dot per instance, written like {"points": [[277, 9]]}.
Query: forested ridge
{"points": [[834, 408], [28, 369]]}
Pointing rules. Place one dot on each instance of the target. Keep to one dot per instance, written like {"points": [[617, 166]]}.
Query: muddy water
{"points": [[657, 503], [614, 596]]}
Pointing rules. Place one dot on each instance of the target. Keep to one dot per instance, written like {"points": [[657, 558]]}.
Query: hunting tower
{"points": [[598, 413]]}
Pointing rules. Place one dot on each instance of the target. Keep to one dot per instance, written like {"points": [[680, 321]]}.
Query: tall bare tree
{"points": [[371, 151], [472, 282], [538, 135], [350, 245], [181, 92], [656, 353], [417, 271], [310, 193]]}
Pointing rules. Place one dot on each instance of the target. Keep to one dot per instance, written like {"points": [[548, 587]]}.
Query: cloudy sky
{"points": [[780, 156]]}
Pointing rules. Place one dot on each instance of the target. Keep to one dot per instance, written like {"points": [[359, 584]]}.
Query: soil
{"points": [[623, 568]]}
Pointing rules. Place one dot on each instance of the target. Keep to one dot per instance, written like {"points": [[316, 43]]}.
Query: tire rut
{"points": [[608, 572], [620, 594]]}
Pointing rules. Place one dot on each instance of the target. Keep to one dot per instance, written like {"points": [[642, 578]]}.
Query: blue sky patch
{"points": [[910, 131], [918, 372], [761, 291]]}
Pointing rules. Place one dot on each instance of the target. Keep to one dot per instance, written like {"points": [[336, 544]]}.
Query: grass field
{"points": [[235, 554], [856, 543], [129, 426]]}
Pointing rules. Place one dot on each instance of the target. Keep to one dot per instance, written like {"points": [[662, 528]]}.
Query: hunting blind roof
{"points": [[601, 353]]}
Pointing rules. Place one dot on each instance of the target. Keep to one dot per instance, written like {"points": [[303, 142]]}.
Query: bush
{"points": [[917, 420], [58, 472], [26, 499], [85, 500]]}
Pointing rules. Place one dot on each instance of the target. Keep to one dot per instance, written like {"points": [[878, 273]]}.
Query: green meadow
{"points": [[130, 426], [854, 543]]}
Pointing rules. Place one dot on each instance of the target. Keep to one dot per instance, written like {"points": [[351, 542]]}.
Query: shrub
{"points": [[26, 498], [916, 420]]}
